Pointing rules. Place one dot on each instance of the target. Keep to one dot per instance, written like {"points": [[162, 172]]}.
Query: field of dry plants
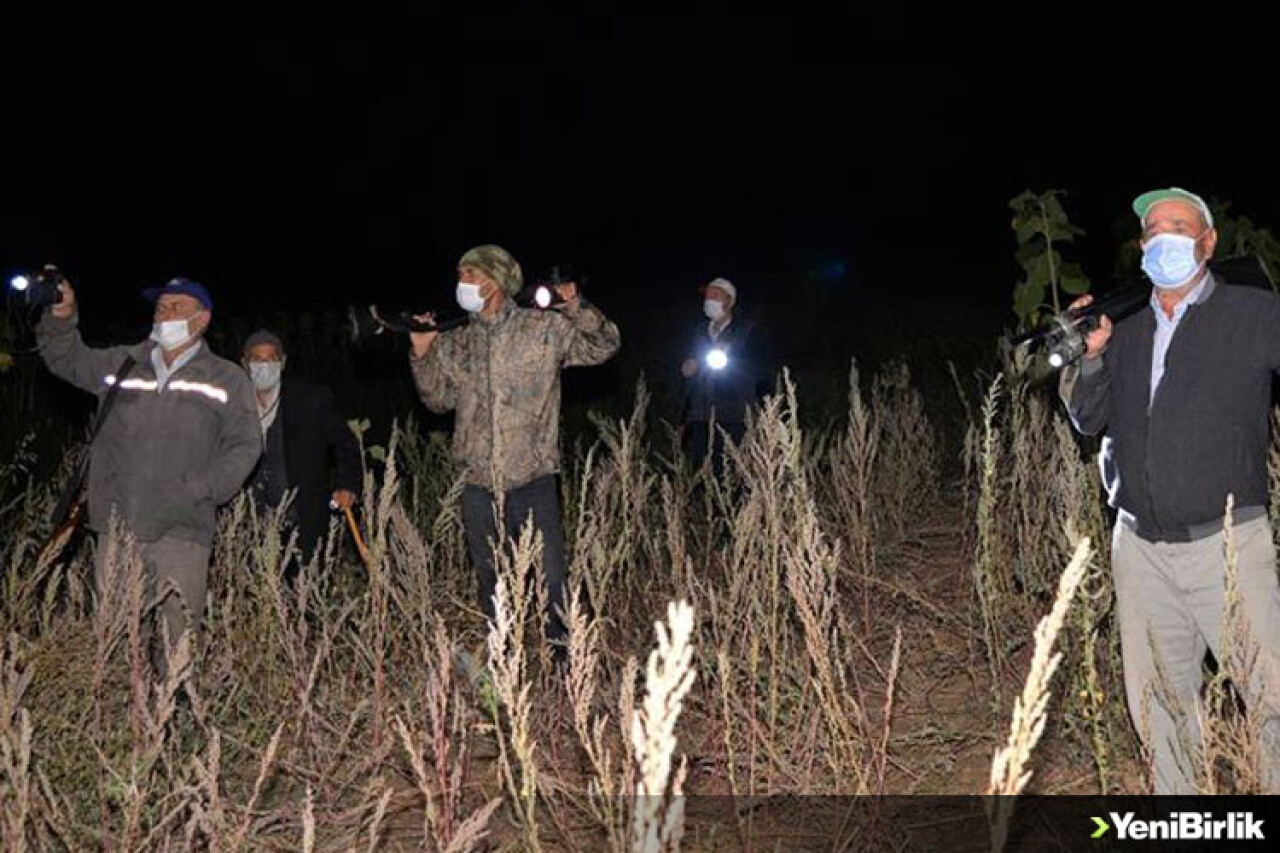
{"points": [[849, 610]]}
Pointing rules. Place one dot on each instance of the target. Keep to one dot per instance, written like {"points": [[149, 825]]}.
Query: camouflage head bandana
{"points": [[498, 264]]}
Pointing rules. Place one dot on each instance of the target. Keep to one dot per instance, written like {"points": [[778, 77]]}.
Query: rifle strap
{"points": [[109, 400], [74, 486]]}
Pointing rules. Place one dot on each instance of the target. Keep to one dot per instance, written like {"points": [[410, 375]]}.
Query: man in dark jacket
{"points": [[180, 440], [1182, 392], [724, 373], [302, 436]]}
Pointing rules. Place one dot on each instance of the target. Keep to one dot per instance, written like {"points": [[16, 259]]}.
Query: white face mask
{"points": [[713, 308], [266, 374], [172, 334], [469, 297], [1169, 260]]}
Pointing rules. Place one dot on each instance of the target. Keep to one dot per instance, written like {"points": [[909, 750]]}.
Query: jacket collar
{"points": [[508, 308], [154, 353], [1210, 287]]}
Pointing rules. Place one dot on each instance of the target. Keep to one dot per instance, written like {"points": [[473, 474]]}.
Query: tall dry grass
{"points": [[367, 705]]}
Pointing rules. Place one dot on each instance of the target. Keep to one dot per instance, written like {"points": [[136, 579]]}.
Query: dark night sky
{"points": [[354, 166]]}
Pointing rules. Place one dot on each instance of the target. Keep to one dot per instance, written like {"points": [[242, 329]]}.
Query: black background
{"points": [[306, 161]]}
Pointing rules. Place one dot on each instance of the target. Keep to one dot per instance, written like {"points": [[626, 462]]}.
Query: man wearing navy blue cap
{"points": [[181, 439]]}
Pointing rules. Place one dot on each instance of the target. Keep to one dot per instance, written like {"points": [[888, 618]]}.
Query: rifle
{"points": [[68, 514], [1063, 336]]}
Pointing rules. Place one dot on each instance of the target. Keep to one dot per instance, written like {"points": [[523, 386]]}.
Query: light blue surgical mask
{"points": [[1169, 260], [171, 334], [469, 298]]}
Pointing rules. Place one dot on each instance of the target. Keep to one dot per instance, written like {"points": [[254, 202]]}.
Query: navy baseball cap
{"points": [[183, 287]]}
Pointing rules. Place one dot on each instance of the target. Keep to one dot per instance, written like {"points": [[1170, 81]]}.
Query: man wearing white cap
{"points": [[723, 373], [1182, 394]]}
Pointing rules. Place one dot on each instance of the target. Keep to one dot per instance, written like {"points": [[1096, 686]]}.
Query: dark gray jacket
{"points": [[1206, 433], [727, 392], [163, 460]]}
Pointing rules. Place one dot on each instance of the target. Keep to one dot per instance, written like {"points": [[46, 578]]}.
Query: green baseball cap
{"points": [[1143, 203]]}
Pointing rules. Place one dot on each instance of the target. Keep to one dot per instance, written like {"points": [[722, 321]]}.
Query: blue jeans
{"points": [[538, 498]]}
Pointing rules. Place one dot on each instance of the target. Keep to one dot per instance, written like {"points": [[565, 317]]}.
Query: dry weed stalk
{"points": [[603, 798], [440, 762], [811, 581], [1231, 746], [907, 472], [853, 472], [509, 667], [668, 678], [986, 571], [16, 794], [1008, 778]]}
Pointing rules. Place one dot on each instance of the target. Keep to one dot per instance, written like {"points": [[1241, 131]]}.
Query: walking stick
{"points": [[355, 534]]}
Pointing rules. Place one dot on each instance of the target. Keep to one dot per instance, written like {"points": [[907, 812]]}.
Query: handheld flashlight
{"points": [[717, 358], [541, 296], [38, 290]]}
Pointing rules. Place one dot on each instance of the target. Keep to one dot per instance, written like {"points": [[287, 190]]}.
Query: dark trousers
{"points": [[538, 498], [699, 440]]}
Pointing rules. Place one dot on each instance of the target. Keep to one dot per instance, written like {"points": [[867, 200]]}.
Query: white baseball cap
{"points": [[727, 286]]}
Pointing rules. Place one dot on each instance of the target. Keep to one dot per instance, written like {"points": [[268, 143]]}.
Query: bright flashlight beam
{"points": [[20, 282], [717, 359], [542, 297], [1055, 359]]}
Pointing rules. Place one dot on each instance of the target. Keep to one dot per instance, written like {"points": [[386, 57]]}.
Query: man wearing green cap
{"points": [[501, 374], [1182, 394]]}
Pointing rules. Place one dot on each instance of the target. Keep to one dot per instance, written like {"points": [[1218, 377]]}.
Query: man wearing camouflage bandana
{"points": [[501, 373]]}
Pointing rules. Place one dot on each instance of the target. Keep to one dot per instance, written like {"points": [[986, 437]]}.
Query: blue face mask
{"points": [[1169, 260]]}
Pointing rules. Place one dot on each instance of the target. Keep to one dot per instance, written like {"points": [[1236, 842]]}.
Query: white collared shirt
{"points": [[715, 328], [164, 371], [1165, 327], [267, 411]]}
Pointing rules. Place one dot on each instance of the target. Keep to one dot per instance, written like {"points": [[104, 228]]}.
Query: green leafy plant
{"points": [[1040, 225], [1239, 235]]}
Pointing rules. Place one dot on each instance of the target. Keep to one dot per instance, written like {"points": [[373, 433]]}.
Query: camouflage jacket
{"points": [[502, 375]]}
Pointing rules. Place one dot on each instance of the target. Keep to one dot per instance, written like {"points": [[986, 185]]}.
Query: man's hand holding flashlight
{"points": [[568, 292], [65, 309], [1097, 340]]}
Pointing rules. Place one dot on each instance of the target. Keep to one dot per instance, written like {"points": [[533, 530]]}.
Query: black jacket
{"points": [[730, 390], [315, 436], [1207, 431]]}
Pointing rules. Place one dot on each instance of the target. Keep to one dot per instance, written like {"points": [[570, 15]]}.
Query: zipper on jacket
{"points": [[494, 461]]}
